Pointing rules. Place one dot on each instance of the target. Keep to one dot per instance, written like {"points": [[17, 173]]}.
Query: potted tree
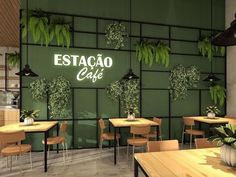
{"points": [[29, 116], [225, 137]]}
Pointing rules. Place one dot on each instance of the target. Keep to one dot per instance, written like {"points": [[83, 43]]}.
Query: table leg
{"points": [[45, 151], [135, 168], [115, 143], [57, 135]]}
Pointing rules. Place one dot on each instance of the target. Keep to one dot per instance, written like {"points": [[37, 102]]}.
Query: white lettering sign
{"points": [[92, 66]]}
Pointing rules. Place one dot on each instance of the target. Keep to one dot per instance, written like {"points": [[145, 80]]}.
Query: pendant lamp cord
{"points": [[130, 27], [211, 34], [27, 23]]}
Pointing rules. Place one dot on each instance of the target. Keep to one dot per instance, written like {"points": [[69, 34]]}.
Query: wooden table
{"points": [[204, 119], [37, 127], [183, 163], [123, 122]]}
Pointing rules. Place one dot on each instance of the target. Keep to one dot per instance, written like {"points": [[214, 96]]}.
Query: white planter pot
{"points": [[28, 121], [211, 115], [228, 155], [131, 117]]}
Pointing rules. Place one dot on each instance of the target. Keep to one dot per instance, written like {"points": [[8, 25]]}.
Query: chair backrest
{"points": [[157, 120], [101, 124], [11, 137], [166, 145], [140, 129], [63, 127], [203, 143], [188, 122]]}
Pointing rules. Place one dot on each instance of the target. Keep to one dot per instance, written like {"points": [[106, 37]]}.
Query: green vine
{"points": [[206, 48], [151, 51], [127, 91], [38, 89], [13, 59], [218, 94], [181, 79], [59, 97]]}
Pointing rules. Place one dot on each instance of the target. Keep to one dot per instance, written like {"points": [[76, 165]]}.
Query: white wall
{"points": [[230, 10]]}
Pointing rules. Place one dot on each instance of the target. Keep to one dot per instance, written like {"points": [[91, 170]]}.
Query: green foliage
{"points": [[181, 79], [224, 135], [13, 59], [218, 94], [127, 91], [59, 97], [207, 49], [148, 52], [29, 113], [61, 30], [212, 109], [38, 89], [116, 35]]}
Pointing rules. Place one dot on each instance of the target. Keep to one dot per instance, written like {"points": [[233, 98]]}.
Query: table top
{"points": [[40, 126], [123, 122], [216, 120], [185, 163]]}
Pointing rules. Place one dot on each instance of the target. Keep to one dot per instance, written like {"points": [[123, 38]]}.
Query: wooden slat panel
{"points": [[9, 18]]}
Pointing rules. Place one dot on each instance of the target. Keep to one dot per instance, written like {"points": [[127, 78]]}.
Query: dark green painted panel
{"points": [[184, 47], [182, 33], [155, 31], [85, 40], [165, 129], [85, 24], [152, 106], [85, 104], [176, 128], [155, 80]]}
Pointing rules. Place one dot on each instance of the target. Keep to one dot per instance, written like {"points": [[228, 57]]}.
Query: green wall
{"points": [[194, 13]]}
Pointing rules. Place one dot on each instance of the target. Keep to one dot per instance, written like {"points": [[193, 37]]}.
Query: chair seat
{"points": [[137, 141], [195, 132], [15, 149], [110, 136], [152, 134], [54, 140]]}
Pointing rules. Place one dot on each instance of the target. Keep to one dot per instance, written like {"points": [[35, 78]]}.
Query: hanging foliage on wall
{"points": [[61, 30], [13, 59], [58, 92], [116, 35], [127, 91], [44, 29], [148, 52], [218, 94], [206, 49], [38, 89], [181, 79]]}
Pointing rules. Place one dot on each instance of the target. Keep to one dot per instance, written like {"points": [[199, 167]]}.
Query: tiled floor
{"points": [[81, 163]]}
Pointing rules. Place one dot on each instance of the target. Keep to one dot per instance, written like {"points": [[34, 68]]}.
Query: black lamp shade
{"points": [[228, 37], [211, 78], [130, 76], [26, 71]]}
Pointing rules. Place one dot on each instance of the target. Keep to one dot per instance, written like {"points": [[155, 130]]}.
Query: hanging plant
{"points": [[206, 49], [218, 94], [13, 59], [148, 52], [181, 79], [61, 30], [116, 34], [127, 91], [38, 89], [23, 24], [59, 97]]}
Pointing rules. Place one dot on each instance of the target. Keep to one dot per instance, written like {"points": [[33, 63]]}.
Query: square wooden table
{"points": [[124, 122], [37, 127], [183, 163]]}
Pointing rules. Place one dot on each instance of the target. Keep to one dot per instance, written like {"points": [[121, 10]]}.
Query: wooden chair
{"points": [[153, 133], [203, 143], [190, 123], [12, 146], [166, 145], [138, 130], [106, 136], [61, 139]]}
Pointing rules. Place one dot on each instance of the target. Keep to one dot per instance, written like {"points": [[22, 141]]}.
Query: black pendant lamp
{"points": [[26, 71], [211, 77], [228, 37], [130, 75]]}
